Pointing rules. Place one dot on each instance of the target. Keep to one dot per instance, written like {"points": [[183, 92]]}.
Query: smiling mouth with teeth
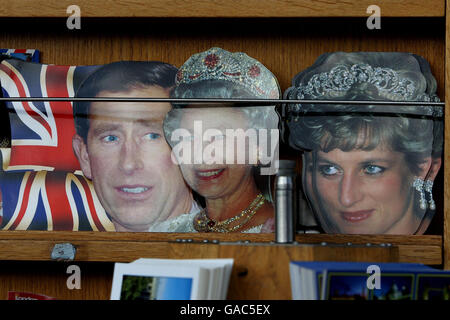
{"points": [[134, 190], [209, 174]]}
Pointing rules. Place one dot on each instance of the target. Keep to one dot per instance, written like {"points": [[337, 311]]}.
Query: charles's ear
{"points": [[80, 150]]}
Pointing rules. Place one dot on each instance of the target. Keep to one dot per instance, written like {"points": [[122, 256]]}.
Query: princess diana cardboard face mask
{"points": [[367, 169]]}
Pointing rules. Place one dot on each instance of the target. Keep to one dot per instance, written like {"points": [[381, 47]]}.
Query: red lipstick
{"points": [[206, 175], [356, 216]]}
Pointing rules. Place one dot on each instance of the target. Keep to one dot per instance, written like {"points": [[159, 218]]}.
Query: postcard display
{"points": [[172, 279], [367, 168], [329, 280]]}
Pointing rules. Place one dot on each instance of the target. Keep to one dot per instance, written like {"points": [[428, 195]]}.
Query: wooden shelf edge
{"points": [[222, 8], [435, 240], [119, 251], [125, 247]]}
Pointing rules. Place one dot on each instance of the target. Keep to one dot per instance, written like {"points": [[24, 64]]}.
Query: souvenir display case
{"points": [[287, 37]]}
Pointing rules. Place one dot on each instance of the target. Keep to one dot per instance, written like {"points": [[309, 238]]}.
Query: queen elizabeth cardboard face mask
{"points": [[226, 150], [367, 169]]}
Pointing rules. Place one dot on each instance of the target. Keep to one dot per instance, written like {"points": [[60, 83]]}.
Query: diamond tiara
{"points": [[237, 67], [337, 82]]}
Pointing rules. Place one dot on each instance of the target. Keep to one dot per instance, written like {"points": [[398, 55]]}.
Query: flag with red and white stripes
{"points": [[32, 55], [45, 200], [40, 187], [41, 132]]}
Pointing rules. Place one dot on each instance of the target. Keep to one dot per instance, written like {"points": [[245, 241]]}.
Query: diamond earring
{"points": [[429, 188], [418, 185]]}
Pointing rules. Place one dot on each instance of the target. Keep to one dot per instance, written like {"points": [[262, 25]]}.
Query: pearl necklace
{"points": [[202, 223]]}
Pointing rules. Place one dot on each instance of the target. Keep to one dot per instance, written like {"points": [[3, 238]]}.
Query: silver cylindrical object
{"points": [[285, 202]]}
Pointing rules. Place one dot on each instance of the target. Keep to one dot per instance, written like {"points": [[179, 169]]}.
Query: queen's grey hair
{"points": [[411, 130], [258, 117]]}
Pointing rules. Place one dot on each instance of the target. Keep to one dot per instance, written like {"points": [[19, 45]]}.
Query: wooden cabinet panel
{"points": [[222, 8]]}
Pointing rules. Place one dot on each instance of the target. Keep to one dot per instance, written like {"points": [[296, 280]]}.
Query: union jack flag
{"points": [[22, 54], [41, 132], [40, 187], [44, 200]]}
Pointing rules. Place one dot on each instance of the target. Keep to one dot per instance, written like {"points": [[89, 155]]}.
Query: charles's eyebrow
{"points": [[102, 128], [149, 122], [108, 127]]}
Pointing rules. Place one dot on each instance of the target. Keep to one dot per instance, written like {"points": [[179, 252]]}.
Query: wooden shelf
{"points": [[222, 8], [259, 271], [126, 247], [255, 274]]}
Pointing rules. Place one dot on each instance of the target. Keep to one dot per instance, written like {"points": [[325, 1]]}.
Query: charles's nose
{"points": [[131, 157], [350, 190]]}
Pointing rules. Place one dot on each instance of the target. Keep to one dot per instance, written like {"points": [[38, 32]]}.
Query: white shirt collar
{"points": [[182, 223]]}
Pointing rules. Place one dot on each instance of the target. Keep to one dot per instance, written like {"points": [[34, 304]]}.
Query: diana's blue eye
{"points": [[110, 138], [152, 136], [328, 170], [371, 169]]}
